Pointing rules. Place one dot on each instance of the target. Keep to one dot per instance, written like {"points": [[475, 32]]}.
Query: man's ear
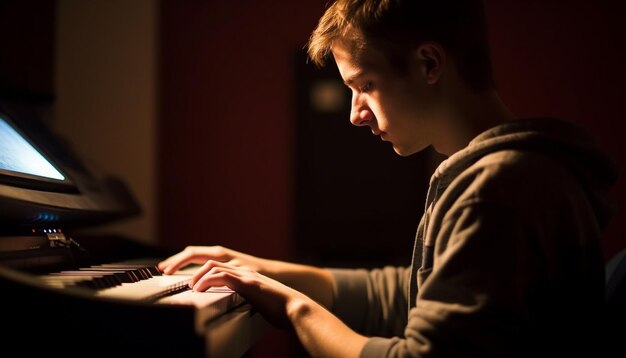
{"points": [[431, 60]]}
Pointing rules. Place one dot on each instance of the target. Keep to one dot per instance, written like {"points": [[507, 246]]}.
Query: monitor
{"points": [[43, 182], [22, 164]]}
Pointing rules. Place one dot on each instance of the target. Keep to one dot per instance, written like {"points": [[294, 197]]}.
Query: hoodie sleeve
{"points": [[459, 306], [372, 302]]}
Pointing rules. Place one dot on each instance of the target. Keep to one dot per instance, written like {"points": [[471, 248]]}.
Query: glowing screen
{"points": [[17, 155]]}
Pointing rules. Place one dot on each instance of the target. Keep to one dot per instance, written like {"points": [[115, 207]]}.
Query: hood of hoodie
{"points": [[566, 142]]}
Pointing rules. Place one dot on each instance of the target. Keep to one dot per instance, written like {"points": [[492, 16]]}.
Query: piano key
{"points": [[148, 289], [129, 274], [133, 279], [122, 275], [74, 280], [108, 278], [143, 271]]}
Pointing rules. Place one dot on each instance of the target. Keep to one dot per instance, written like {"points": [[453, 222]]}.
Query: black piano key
{"points": [[133, 273], [120, 274], [140, 270]]}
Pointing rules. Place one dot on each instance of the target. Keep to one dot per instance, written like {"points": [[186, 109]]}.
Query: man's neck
{"points": [[472, 115]]}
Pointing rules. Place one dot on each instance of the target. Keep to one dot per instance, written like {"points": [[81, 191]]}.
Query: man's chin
{"points": [[405, 151]]}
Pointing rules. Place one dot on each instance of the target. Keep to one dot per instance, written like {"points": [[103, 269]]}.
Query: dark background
{"points": [[555, 58], [245, 161]]}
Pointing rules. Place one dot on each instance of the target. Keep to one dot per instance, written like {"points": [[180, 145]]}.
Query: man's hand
{"points": [[201, 254]]}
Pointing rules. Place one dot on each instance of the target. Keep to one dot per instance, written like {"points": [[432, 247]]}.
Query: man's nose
{"points": [[360, 113]]}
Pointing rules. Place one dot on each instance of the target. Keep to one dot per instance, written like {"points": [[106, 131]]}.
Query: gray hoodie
{"points": [[507, 255]]}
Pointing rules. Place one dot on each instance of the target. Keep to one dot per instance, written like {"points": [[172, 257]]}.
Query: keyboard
{"points": [[140, 280]]}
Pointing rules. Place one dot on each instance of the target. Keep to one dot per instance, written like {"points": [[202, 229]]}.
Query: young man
{"points": [[507, 256]]}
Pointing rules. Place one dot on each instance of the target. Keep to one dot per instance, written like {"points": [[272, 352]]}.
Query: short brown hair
{"points": [[395, 27]]}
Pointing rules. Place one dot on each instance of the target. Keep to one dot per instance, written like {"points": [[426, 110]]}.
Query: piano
{"points": [[69, 293]]}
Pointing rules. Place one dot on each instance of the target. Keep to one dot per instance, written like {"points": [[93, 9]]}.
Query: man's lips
{"points": [[379, 133]]}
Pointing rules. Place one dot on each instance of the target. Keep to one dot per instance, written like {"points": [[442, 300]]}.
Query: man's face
{"points": [[396, 107]]}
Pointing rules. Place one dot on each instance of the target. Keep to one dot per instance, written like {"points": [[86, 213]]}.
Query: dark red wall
{"points": [[226, 121]]}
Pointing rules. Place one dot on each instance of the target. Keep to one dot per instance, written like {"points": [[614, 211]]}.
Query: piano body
{"points": [[93, 295]]}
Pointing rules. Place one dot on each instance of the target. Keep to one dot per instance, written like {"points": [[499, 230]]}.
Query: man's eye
{"points": [[366, 87]]}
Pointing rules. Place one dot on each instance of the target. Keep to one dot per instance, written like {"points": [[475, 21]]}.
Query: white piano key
{"points": [[146, 289]]}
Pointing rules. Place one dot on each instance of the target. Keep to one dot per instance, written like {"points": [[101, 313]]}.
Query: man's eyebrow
{"points": [[353, 77]]}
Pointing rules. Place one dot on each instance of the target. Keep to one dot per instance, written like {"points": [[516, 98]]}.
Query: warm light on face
{"points": [[17, 155]]}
